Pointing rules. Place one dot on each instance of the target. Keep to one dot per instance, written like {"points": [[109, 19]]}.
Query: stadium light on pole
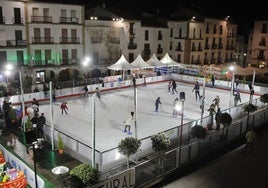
{"points": [[182, 99]]}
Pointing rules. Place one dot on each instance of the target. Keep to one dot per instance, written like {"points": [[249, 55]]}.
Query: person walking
{"points": [[175, 107], [202, 102], [40, 126], [251, 137], [196, 89], [217, 118], [64, 107], [216, 102], [157, 103], [174, 87], [129, 122]]}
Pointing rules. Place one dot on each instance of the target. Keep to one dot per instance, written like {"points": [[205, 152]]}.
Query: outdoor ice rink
{"points": [[115, 106]]}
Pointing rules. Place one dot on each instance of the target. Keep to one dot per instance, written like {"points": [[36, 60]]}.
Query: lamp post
{"points": [[232, 86], [9, 68], [203, 101], [136, 110], [182, 99], [93, 129]]}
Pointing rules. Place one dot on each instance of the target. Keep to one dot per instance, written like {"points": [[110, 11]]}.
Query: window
{"points": [[194, 33], [171, 32], [146, 35], [264, 28]]}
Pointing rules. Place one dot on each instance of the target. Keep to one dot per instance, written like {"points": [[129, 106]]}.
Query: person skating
{"points": [[213, 80], [40, 125], [129, 122], [85, 89], [157, 103], [211, 111], [196, 89], [64, 108], [217, 118], [237, 98], [202, 102], [174, 87]]}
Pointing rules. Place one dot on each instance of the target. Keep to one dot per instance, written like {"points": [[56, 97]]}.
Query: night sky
{"points": [[243, 13]]}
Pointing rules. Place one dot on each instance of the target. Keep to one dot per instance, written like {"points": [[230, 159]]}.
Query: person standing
{"points": [[251, 136], [157, 103], [237, 98], [144, 81], [174, 87], [202, 102], [217, 102], [64, 108], [134, 80], [213, 80], [97, 92], [129, 122], [40, 126], [217, 118], [211, 111], [175, 107], [169, 86], [196, 89]]}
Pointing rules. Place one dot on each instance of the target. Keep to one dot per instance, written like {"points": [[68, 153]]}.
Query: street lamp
{"points": [[182, 99], [86, 62], [232, 86], [93, 129], [9, 67]]}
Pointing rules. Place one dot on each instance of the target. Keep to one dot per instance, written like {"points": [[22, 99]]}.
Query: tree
{"points": [[128, 147], [198, 131], [84, 174]]}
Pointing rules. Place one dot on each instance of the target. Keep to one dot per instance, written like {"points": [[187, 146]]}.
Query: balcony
{"points": [[69, 62], [41, 19], [68, 20], [95, 39], [214, 46], [261, 57], [178, 49], [2, 20], [220, 46], [207, 46], [18, 20], [159, 50], [146, 52], [42, 40], [13, 43], [132, 46], [114, 40], [262, 43], [69, 40], [160, 37]]}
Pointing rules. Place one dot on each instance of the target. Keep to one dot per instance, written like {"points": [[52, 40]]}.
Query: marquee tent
{"points": [[140, 63], [155, 62], [121, 64], [167, 61]]}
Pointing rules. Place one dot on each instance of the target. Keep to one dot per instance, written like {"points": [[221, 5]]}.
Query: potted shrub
{"points": [[84, 175], [128, 147], [198, 131], [160, 143], [264, 98], [249, 107], [60, 144]]}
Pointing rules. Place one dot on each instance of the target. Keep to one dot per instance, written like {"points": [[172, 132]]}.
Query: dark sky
{"points": [[242, 12]]}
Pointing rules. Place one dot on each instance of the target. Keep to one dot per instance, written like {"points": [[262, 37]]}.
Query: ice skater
{"points": [[174, 87], [169, 86], [216, 102], [64, 107], [129, 122], [85, 89], [196, 88], [157, 103]]}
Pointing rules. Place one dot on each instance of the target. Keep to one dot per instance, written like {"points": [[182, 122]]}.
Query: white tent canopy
{"points": [[154, 61], [167, 61], [121, 64], [139, 63]]}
